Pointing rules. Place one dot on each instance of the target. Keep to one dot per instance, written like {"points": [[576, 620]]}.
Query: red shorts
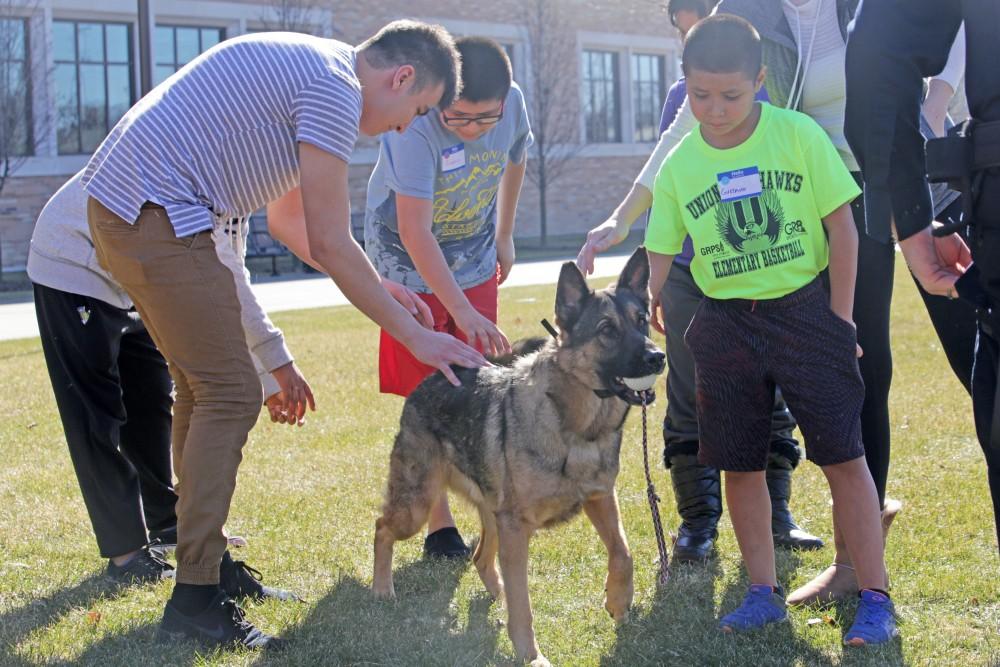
{"points": [[399, 372]]}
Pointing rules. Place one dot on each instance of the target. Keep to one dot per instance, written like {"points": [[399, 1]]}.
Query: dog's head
{"points": [[604, 335]]}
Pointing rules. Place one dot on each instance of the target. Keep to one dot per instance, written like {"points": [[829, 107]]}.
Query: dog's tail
{"points": [[521, 348]]}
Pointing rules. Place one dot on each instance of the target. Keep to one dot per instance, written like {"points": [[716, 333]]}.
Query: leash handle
{"points": [[661, 544]]}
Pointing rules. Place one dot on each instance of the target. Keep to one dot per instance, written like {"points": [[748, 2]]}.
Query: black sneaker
{"points": [[164, 541], [221, 624], [146, 567], [241, 581], [446, 543]]}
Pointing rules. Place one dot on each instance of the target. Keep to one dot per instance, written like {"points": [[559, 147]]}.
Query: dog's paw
{"points": [[384, 592], [619, 612], [540, 661]]}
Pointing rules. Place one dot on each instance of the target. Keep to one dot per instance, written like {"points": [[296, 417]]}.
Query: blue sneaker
{"points": [[875, 622], [762, 605]]}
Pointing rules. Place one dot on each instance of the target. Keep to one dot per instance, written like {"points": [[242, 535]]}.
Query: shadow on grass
{"points": [[115, 649], [422, 626], [681, 628]]}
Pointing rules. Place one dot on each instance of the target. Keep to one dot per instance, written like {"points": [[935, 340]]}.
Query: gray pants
{"points": [[680, 298]]}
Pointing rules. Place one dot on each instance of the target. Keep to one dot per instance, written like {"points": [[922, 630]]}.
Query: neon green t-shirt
{"points": [[754, 212]]}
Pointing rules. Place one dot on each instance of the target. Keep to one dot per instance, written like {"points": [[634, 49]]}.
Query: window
{"points": [[177, 45], [600, 96], [15, 89], [93, 81], [647, 95]]}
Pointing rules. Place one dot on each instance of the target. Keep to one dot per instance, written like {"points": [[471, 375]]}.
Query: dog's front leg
{"points": [[514, 537], [618, 588]]}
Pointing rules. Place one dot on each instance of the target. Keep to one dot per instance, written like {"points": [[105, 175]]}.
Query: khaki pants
{"points": [[187, 298]]}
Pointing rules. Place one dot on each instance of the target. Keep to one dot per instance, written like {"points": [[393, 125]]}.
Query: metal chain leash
{"points": [[654, 501]]}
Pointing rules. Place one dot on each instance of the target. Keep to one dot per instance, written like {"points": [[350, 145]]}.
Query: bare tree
{"points": [[291, 15], [551, 97], [18, 72]]}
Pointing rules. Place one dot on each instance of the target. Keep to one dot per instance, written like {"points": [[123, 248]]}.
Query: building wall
{"points": [[591, 186]]}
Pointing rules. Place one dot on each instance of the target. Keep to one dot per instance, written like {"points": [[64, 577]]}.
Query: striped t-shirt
{"points": [[219, 139]]}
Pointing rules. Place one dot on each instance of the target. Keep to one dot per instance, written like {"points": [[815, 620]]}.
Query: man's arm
{"points": [[613, 231], [328, 243], [415, 218], [507, 197]]}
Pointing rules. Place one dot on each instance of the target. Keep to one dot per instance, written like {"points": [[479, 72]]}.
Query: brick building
{"points": [[82, 60]]}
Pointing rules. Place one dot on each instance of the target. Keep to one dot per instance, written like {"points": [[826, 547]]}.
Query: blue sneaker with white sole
{"points": [[875, 622], [762, 606]]}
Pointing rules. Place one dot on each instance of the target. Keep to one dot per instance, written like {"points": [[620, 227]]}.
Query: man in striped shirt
{"points": [[186, 158]]}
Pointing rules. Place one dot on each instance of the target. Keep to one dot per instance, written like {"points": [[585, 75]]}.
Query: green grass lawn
{"points": [[307, 501]]}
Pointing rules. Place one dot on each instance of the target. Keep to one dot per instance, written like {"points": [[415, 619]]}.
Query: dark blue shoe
{"points": [[761, 606], [875, 622]]}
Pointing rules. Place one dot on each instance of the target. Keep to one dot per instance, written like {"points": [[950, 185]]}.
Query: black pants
{"points": [[113, 391], [953, 320]]}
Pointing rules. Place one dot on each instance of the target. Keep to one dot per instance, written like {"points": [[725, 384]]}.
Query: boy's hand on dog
{"points": [[408, 299], [599, 239], [441, 350], [289, 405], [481, 332]]}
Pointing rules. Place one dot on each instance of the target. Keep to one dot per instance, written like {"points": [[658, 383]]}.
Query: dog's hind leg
{"points": [[485, 557], [514, 538], [416, 481], [618, 587]]}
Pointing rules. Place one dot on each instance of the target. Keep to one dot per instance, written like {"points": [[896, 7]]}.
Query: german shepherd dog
{"points": [[530, 444]]}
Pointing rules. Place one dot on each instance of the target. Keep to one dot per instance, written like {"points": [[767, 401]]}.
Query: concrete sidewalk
{"points": [[18, 320]]}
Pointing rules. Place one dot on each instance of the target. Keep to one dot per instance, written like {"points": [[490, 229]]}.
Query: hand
{"points": [[658, 319], [481, 333], [936, 262], [505, 258], [599, 239], [288, 406], [408, 299], [440, 350]]}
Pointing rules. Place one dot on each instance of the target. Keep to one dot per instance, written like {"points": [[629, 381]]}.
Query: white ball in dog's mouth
{"points": [[640, 384]]}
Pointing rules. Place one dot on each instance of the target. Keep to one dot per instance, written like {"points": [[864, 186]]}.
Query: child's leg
{"points": [[484, 298], [749, 507], [856, 511]]}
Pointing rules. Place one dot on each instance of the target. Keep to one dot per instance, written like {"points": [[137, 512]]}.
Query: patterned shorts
{"points": [[742, 349]]}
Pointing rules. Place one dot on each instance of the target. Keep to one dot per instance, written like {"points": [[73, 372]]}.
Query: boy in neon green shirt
{"points": [[766, 201]]}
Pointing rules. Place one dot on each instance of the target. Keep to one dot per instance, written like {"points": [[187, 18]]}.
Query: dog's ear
{"points": [[571, 293], [635, 275]]}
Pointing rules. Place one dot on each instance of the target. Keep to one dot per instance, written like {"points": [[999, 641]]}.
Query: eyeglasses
{"points": [[463, 121]]}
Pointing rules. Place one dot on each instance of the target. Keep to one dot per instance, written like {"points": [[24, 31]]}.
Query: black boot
{"points": [[699, 502], [787, 533]]}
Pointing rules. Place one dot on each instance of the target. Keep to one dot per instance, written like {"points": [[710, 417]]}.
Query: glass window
{"points": [[600, 96], [15, 87], [93, 81], [178, 45], [647, 95]]}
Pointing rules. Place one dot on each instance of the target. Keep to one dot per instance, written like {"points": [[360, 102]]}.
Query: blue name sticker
{"points": [[452, 158], [739, 184]]}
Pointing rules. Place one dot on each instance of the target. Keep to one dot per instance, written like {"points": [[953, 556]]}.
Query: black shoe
{"points": [[163, 542], [221, 624], [146, 567], [446, 543], [699, 503], [783, 527], [241, 581]]}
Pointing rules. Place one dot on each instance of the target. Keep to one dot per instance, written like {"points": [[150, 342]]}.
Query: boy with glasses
{"points": [[440, 220]]}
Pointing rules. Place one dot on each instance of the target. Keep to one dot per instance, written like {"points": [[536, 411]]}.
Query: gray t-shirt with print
{"points": [[461, 179]]}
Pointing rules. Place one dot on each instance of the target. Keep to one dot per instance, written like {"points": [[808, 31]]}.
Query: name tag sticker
{"points": [[452, 158], [739, 184]]}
